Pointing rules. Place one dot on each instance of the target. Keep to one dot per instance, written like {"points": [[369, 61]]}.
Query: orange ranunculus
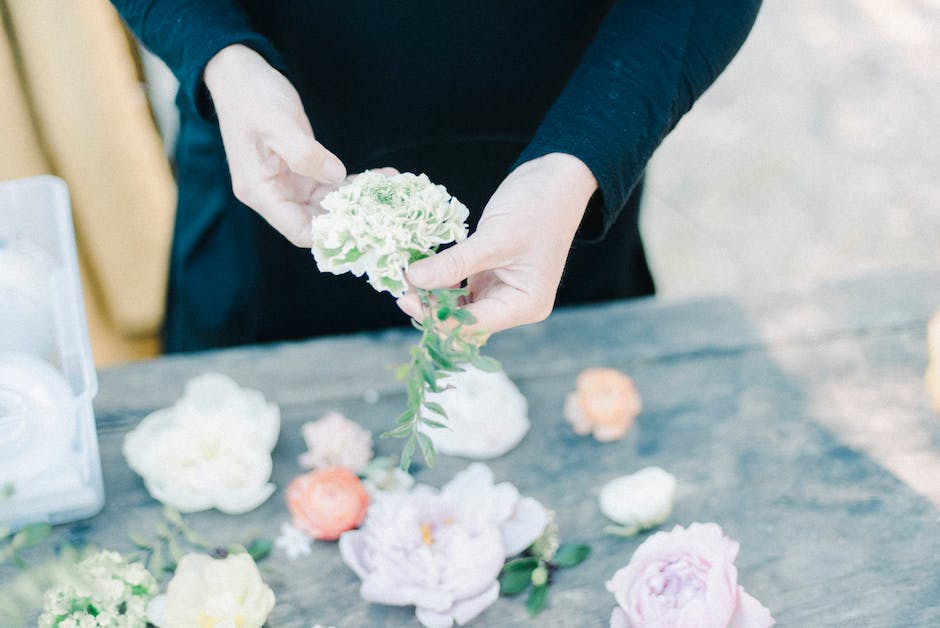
{"points": [[327, 502], [604, 404]]}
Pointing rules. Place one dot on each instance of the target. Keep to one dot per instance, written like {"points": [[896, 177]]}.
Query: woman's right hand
{"points": [[277, 166]]}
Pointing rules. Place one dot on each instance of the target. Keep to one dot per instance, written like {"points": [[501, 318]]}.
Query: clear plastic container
{"points": [[50, 469]]}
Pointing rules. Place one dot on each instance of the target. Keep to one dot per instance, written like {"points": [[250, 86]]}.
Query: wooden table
{"points": [[763, 408]]}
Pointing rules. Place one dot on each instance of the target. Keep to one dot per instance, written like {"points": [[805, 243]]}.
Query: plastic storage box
{"points": [[50, 469]]}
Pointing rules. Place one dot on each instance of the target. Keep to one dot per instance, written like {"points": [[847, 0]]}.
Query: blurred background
{"points": [[816, 155]]}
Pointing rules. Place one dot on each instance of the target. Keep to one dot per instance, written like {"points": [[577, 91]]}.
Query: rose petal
{"points": [[750, 613], [619, 619]]}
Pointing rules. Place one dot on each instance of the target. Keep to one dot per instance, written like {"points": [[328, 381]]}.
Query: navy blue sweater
{"points": [[462, 92]]}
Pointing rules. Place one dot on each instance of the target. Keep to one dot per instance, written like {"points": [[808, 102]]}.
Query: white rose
{"points": [[211, 449], [639, 501], [214, 592], [486, 415]]}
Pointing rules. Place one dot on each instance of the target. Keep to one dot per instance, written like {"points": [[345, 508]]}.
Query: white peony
{"points": [[211, 449], [217, 592], [639, 501], [335, 441], [378, 225], [442, 551], [486, 415]]}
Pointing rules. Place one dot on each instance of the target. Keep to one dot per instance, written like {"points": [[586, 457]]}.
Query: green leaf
{"points": [[485, 363], [464, 317], [139, 541], [427, 448], [443, 312], [622, 531], [427, 374], [402, 371], [571, 555], [407, 453], [173, 516], [259, 549], [536, 601], [408, 416], [399, 432], [30, 535], [526, 563], [434, 424], [514, 582], [436, 408]]}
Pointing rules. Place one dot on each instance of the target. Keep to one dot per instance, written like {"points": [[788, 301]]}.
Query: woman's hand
{"points": [[278, 168], [514, 261]]}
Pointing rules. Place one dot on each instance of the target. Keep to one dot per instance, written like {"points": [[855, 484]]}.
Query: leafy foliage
{"points": [[446, 347]]}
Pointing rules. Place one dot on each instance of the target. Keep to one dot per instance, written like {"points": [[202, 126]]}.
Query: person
{"points": [[540, 115]]}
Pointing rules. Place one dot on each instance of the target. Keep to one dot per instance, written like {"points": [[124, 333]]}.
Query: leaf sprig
{"points": [[537, 570], [446, 347]]}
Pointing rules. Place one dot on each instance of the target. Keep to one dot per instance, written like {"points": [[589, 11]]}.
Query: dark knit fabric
{"points": [[462, 91]]}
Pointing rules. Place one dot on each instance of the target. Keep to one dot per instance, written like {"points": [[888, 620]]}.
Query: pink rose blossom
{"points": [[335, 441], [685, 578]]}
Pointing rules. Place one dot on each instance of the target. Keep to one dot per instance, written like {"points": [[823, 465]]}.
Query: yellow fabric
{"points": [[70, 85]]}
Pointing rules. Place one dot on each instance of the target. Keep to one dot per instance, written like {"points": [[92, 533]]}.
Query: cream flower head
{"points": [[378, 225], [209, 591]]}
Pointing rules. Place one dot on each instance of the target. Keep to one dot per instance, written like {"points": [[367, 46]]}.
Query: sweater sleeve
{"points": [[186, 34], [649, 61]]}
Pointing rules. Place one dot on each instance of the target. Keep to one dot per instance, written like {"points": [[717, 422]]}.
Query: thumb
{"points": [[452, 266], [306, 156]]}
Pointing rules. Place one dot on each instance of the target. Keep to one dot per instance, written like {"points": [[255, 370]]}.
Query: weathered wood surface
{"points": [[735, 405]]}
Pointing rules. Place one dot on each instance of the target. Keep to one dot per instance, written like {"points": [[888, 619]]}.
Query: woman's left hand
{"points": [[514, 261]]}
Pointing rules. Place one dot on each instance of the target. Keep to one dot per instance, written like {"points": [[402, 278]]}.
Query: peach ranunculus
{"points": [[605, 404], [684, 579], [327, 502]]}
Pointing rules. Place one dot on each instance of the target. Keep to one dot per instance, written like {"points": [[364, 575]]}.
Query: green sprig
{"points": [[536, 570], [446, 347]]}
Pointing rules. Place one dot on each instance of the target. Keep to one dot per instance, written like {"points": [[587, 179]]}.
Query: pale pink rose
{"points": [[335, 441], [685, 578]]}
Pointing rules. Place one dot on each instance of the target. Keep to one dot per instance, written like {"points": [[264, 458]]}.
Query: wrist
{"points": [[227, 65], [569, 175]]}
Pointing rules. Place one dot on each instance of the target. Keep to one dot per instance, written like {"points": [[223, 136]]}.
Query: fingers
{"points": [[452, 266], [304, 155], [291, 220]]}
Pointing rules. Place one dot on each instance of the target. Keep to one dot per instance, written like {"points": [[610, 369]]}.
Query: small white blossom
{"points": [[639, 501], [378, 225], [117, 591], [294, 542], [384, 475]]}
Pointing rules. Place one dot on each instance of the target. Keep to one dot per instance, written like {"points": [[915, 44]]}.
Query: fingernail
{"points": [[332, 170]]}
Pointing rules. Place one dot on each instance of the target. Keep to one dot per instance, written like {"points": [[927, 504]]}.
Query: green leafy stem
{"points": [[446, 347], [536, 571]]}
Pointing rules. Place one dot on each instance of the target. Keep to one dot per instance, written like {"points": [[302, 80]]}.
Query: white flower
{"points": [[639, 501], [335, 441], [384, 474], [117, 590], [222, 593], [442, 551], [377, 225], [486, 415], [211, 449], [293, 541]]}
